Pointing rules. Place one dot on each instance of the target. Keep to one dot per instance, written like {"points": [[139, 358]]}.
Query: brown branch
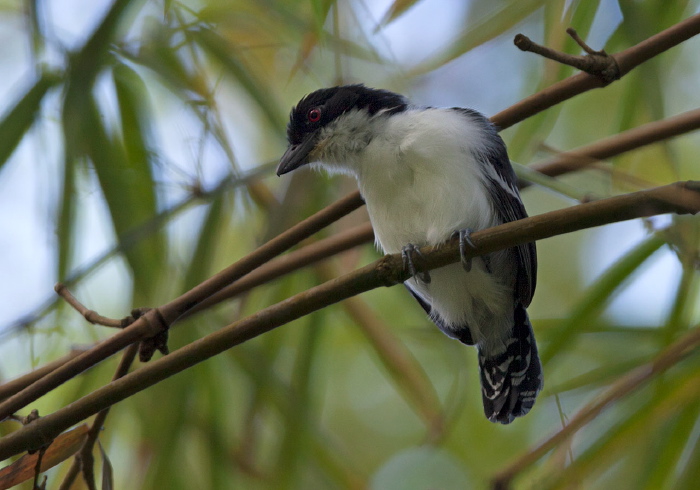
{"points": [[674, 198], [310, 254], [597, 63], [582, 82], [631, 139], [668, 358], [157, 319], [18, 384], [90, 315]]}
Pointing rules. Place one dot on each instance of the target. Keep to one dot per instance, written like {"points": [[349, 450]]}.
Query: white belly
{"points": [[422, 193]]}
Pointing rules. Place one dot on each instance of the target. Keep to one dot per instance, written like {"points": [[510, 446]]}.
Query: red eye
{"points": [[314, 115]]}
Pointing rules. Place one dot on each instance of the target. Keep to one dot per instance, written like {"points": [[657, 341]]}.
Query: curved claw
{"points": [[464, 240], [407, 254]]}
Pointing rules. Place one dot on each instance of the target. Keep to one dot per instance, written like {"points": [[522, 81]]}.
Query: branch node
{"points": [[159, 340], [597, 63], [391, 271]]}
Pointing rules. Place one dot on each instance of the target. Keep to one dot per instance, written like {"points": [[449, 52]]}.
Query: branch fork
{"points": [[595, 62]]}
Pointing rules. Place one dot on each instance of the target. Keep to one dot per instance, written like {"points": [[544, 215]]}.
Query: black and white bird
{"points": [[425, 174]]}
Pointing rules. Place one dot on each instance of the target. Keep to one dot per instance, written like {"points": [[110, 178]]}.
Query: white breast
{"points": [[421, 182]]}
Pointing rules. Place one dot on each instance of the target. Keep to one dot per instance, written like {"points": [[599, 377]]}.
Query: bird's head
{"points": [[309, 122]]}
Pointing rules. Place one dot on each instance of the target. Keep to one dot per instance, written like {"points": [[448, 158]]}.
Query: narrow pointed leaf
{"points": [[396, 9], [227, 56], [493, 25], [128, 190], [15, 124], [203, 257], [62, 448], [107, 471]]}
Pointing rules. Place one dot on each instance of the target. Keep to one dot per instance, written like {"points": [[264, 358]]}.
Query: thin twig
{"points": [[310, 254], [668, 358], [582, 82], [596, 63], [18, 384], [631, 139], [675, 198], [90, 315], [37, 470]]}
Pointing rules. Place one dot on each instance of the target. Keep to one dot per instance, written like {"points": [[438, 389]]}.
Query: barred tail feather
{"points": [[511, 380]]}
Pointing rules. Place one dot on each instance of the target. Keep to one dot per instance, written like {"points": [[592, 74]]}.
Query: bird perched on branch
{"points": [[427, 174]]}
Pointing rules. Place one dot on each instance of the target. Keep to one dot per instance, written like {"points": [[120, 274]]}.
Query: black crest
{"points": [[335, 101]]}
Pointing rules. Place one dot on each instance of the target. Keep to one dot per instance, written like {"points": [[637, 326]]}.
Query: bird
{"points": [[426, 175]]}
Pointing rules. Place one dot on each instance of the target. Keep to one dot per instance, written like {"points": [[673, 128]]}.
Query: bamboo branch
{"points": [[582, 82], [647, 134], [596, 63], [310, 254], [18, 384], [674, 198], [158, 319]]}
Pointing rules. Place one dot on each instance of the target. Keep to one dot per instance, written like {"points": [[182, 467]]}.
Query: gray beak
{"points": [[297, 155]]}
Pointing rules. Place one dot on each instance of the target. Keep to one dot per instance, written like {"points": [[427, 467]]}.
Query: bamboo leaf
{"points": [[230, 60], [491, 26], [201, 263], [664, 454], [128, 189], [107, 470], [396, 10], [62, 448], [17, 121], [139, 186], [648, 419], [600, 294]]}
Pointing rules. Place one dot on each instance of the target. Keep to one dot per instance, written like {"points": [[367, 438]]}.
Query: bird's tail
{"points": [[511, 379]]}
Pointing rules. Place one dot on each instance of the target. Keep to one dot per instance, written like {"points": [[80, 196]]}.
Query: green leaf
{"points": [[138, 189], [396, 10], [599, 294], [491, 26], [201, 264], [66, 214], [107, 470], [666, 452], [636, 427], [230, 60], [128, 189], [17, 121]]}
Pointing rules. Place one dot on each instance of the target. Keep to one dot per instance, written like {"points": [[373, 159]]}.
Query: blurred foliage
{"points": [[160, 119]]}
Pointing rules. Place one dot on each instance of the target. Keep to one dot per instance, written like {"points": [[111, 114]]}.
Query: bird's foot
{"points": [[464, 241], [407, 254]]}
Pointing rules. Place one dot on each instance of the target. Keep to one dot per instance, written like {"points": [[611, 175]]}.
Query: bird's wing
{"points": [[507, 203]]}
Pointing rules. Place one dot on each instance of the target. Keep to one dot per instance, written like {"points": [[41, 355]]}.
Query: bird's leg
{"points": [[407, 254], [464, 241]]}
